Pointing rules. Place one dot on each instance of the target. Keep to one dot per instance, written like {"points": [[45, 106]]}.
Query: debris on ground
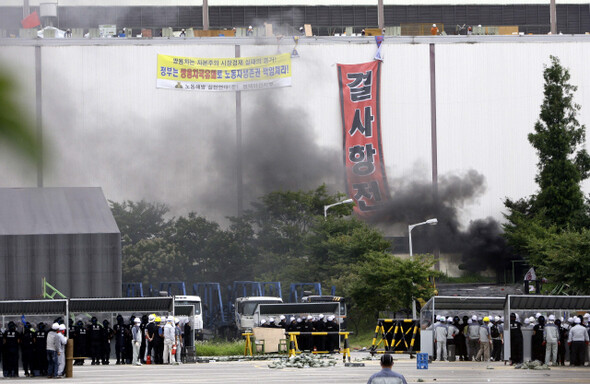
{"points": [[535, 364], [303, 361]]}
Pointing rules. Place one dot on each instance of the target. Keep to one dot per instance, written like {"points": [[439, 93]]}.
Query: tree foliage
{"points": [[140, 220], [549, 228]]}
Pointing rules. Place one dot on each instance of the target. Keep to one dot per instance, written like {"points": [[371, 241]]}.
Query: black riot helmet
{"points": [[80, 323], [94, 320], [105, 322], [11, 326], [41, 326]]}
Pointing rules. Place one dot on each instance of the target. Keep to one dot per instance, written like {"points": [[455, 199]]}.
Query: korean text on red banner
{"points": [[361, 125]]}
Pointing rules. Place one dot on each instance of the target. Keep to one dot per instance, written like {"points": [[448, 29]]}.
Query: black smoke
{"points": [[481, 243]]}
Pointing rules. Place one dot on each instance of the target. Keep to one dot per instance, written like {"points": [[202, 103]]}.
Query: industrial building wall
{"points": [[78, 265], [108, 125]]}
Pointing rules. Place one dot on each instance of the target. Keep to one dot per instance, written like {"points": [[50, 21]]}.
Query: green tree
{"points": [[384, 282], [15, 128], [140, 220], [152, 261]]}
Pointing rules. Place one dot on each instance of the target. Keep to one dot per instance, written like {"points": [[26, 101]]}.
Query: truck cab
{"points": [[245, 307], [197, 320]]}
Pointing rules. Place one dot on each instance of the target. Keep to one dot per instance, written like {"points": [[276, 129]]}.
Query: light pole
{"points": [[412, 226], [326, 207]]}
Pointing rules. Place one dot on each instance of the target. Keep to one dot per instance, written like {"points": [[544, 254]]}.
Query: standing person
{"points": [[283, 322], [440, 339], [551, 340], [563, 333], [61, 341], [484, 341], [515, 340], [107, 335], [578, 340], [159, 339], [497, 335], [142, 349], [451, 333], [473, 337], [319, 340], [150, 332], [80, 338], [120, 331], [434, 30], [169, 337], [179, 341], [333, 340], [250, 31], [95, 339], [10, 342], [460, 347], [27, 346], [537, 345], [136, 339], [386, 375], [51, 348], [40, 360]]}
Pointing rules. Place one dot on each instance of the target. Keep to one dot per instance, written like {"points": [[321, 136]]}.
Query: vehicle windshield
{"points": [[197, 305], [248, 308]]}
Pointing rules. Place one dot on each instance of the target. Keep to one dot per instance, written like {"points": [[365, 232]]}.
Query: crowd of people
{"points": [[149, 339], [305, 342], [479, 338]]}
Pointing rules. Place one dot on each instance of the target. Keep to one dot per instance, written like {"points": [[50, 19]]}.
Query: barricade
{"points": [[395, 336], [294, 348]]}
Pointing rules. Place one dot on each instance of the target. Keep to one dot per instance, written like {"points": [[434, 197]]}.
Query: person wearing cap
{"points": [[107, 335], [182, 33], [460, 343], [516, 340], [537, 345], [40, 360], [333, 340], [497, 335], [452, 331], [80, 337], [250, 31], [440, 338], [578, 340], [136, 341], [283, 322], [61, 350], [387, 375], [434, 30], [159, 339], [169, 338], [473, 337], [319, 326], [51, 348], [484, 341], [179, 340], [551, 340], [11, 338], [150, 331], [27, 346]]}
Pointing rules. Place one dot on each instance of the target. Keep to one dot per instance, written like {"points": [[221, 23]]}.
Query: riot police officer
{"points": [[27, 348], [95, 335], [40, 360], [10, 341], [107, 336], [515, 340], [80, 339], [120, 330]]}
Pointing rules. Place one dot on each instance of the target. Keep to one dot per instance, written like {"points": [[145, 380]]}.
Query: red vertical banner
{"points": [[366, 180]]}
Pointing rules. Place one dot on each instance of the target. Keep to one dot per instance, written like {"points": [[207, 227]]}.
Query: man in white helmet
{"points": [[551, 340], [497, 335], [169, 338], [440, 339], [452, 331], [473, 337], [52, 343], [578, 341], [61, 341], [150, 330], [136, 340]]}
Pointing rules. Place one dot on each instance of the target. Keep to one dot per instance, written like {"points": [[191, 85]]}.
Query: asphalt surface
{"points": [[258, 372]]}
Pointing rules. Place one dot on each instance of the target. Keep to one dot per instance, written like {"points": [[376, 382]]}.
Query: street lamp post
{"points": [[326, 207], [412, 226]]}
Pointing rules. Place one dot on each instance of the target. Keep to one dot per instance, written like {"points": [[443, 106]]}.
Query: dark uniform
{"points": [[80, 339], [319, 341], [159, 344], [332, 342], [537, 347], [10, 341], [515, 340], [142, 327], [95, 336], [120, 333], [40, 360], [27, 349], [460, 341], [107, 336], [563, 335], [152, 330]]}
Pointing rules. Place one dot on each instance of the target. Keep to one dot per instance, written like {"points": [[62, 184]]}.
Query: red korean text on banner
{"points": [[361, 125]]}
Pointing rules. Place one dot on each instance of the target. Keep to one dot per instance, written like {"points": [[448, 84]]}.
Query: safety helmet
{"points": [[551, 318], [309, 317], [474, 317], [449, 319], [176, 320], [151, 318], [299, 320], [331, 317], [137, 320], [271, 320], [570, 320], [434, 25], [577, 320], [55, 326], [292, 319], [62, 327], [469, 321], [486, 319], [170, 319], [282, 317], [321, 316], [537, 315], [263, 321], [496, 318], [157, 320], [586, 315], [527, 320]]}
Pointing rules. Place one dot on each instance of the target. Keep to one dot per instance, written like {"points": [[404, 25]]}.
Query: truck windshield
{"points": [[196, 304], [248, 308]]}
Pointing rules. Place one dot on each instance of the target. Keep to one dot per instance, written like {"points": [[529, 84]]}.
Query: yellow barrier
{"points": [[396, 336], [294, 348], [248, 346]]}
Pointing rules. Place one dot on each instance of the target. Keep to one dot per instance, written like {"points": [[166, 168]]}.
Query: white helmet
{"points": [[527, 320], [577, 320], [496, 318], [282, 317], [469, 321], [151, 318], [538, 315], [263, 321], [474, 317], [321, 316], [331, 317], [309, 317], [586, 315], [449, 319], [176, 320], [434, 25], [570, 320], [292, 319], [55, 326], [137, 320], [62, 327], [551, 318]]}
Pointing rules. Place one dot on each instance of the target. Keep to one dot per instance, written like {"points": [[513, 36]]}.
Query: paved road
{"points": [[258, 372]]}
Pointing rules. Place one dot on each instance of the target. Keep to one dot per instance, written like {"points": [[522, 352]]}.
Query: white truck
{"points": [[196, 322], [245, 308]]}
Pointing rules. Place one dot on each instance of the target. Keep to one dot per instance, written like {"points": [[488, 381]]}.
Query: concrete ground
{"points": [[258, 372]]}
